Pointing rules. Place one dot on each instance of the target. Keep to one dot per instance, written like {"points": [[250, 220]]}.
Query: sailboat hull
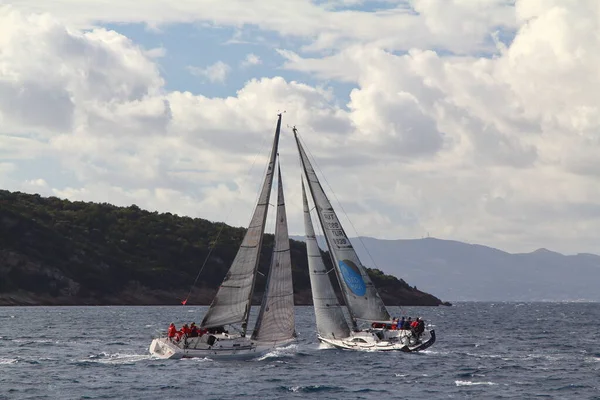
{"points": [[218, 346], [369, 341]]}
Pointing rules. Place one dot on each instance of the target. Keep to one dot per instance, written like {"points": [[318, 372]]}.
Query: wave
{"points": [[310, 388], [5, 361], [486, 355], [470, 383], [29, 341]]}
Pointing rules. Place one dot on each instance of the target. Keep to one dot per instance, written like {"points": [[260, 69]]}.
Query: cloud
{"points": [[459, 26], [517, 131], [496, 149], [157, 52], [251, 60], [216, 72]]}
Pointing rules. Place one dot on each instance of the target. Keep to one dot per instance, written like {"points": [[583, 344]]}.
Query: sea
{"points": [[483, 351]]}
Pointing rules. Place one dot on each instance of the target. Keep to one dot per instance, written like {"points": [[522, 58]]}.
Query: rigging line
{"points": [[338, 201], [214, 244]]}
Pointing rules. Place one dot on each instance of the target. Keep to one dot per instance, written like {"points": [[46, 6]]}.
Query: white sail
{"points": [[331, 322], [361, 296], [275, 321], [233, 299]]}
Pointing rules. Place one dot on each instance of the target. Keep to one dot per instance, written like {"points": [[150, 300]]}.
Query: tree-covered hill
{"points": [[55, 251]]}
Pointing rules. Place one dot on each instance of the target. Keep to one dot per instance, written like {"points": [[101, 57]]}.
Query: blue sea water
{"points": [[484, 351]]}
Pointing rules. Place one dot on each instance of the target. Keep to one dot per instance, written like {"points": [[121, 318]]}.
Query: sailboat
{"points": [[363, 302], [275, 326]]}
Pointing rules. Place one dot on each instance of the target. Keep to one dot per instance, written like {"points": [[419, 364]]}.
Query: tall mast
{"points": [[233, 300], [329, 246], [271, 170]]}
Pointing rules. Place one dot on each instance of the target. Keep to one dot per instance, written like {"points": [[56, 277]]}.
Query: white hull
{"points": [[215, 346], [370, 340]]}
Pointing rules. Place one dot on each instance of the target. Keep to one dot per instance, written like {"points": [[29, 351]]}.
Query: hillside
{"points": [[54, 251], [469, 272]]}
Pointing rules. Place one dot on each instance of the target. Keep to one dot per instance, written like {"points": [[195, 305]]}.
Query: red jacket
{"points": [[172, 331]]}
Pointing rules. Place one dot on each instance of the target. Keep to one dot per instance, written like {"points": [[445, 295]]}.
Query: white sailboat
{"points": [[361, 297], [230, 307]]}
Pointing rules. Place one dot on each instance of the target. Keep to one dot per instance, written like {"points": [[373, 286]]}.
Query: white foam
{"points": [[196, 359], [323, 346], [117, 358], [484, 355], [33, 341], [439, 353], [469, 383], [289, 350], [4, 361]]}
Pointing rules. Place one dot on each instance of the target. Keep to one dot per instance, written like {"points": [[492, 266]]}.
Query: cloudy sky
{"points": [[472, 120]]}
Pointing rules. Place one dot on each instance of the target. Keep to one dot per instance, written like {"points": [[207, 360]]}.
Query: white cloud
{"points": [[251, 60], [216, 72], [497, 150], [458, 25], [157, 52]]}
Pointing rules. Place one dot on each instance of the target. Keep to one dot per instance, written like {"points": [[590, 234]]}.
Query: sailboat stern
{"points": [[424, 345]]}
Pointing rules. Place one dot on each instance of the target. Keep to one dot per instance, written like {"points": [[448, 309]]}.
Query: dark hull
{"points": [[422, 346]]}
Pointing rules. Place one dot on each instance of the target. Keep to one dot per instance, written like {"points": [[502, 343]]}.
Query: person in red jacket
{"points": [[172, 331], [185, 330]]}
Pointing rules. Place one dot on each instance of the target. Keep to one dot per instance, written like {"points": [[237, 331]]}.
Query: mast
{"points": [[233, 300], [361, 296], [331, 322], [270, 170], [275, 322], [331, 255]]}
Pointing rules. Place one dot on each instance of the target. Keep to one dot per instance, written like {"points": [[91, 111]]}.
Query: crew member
{"points": [[172, 331]]}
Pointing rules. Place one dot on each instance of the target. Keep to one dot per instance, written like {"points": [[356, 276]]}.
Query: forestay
{"points": [[361, 296], [276, 317], [233, 300], [331, 322]]}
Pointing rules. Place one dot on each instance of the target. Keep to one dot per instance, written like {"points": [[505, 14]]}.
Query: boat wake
{"points": [[280, 352], [194, 359], [116, 358]]}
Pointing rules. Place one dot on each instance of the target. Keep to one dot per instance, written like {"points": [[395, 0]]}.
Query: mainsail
{"points": [[276, 317], [233, 299], [361, 296], [331, 322]]}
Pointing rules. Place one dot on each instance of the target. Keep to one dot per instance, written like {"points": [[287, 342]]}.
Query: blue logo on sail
{"points": [[352, 277]]}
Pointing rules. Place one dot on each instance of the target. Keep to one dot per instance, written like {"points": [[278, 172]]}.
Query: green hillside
{"points": [[55, 251]]}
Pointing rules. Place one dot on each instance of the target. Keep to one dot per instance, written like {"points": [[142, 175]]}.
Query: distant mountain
{"points": [[55, 251], [462, 272]]}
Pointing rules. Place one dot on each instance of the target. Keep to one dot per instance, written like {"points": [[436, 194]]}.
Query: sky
{"points": [[470, 120]]}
